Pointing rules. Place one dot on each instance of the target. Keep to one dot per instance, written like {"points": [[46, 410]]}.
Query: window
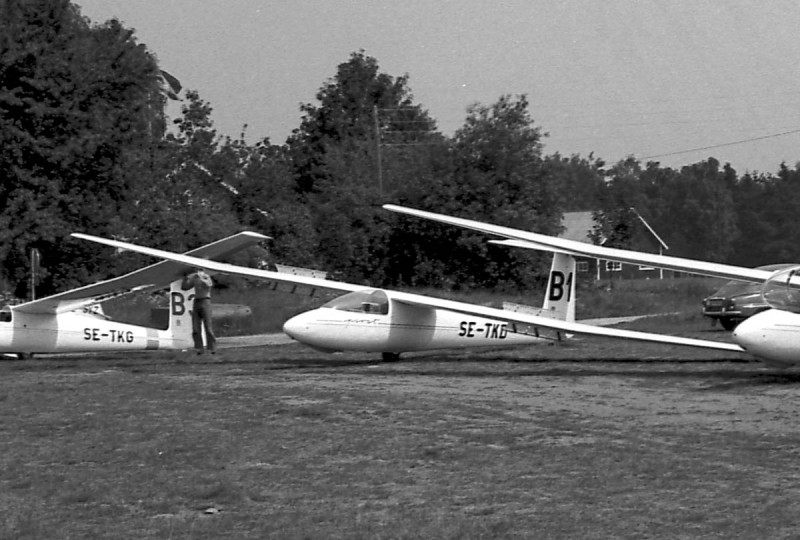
{"points": [[613, 266], [582, 266]]}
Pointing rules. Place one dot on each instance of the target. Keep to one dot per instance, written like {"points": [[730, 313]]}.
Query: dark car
{"points": [[737, 300]]}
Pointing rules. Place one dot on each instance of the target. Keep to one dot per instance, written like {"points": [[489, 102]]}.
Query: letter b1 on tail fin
{"points": [[559, 298]]}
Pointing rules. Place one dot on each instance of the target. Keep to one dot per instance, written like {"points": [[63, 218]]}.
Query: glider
{"points": [[66, 322], [392, 322], [773, 335]]}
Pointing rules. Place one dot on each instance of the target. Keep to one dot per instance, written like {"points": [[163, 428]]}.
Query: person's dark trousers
{"points": [[201, 318]]}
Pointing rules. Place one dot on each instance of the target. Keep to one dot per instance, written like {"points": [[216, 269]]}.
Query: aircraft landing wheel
{"points": [[390, 356]]}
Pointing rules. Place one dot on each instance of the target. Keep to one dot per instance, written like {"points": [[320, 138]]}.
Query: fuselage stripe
{"points": [[152, 339]]}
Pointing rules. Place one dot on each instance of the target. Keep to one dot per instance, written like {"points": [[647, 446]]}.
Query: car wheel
{"points": [[729, 324]]}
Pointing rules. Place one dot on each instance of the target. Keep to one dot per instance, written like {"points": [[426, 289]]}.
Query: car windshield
{"points": [[736, 288]]}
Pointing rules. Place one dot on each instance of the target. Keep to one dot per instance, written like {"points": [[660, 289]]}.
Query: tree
{"points": [[781, 206], [334, 159], [692, 209], [188, 199], [580, 181], [701, 211], [751, 204], [616, 221], [73, 100], [265, 201], [344, 120], [498, 175]]}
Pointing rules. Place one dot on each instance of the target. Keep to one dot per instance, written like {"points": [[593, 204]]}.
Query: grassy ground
{"points": [[594, 439]]}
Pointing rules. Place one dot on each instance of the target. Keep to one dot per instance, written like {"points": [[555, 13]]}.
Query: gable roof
{"points": [[577, 226]]}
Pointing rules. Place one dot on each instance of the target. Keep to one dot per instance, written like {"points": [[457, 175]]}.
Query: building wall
{"points": [[610, 270], [578, 226]]}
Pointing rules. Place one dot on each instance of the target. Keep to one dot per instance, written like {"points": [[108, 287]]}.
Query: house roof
{"points": [[577, 226]]}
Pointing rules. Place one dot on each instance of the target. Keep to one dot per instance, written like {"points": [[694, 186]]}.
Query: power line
{"points": [[713, 146]]}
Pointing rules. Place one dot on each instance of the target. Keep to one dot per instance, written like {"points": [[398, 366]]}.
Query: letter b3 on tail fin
{"points": [[180, 316]]}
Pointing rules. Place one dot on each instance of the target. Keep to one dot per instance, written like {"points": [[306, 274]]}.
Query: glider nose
{"points": [[305, 328], [297, 327], [771, 335], [749, 334]]}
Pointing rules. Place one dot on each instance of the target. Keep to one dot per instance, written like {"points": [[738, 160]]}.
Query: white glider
{"points": [[391, 322], [772, 336], [64, 322]]}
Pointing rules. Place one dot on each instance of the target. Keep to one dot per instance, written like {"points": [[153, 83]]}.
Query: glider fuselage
{"points": [[73, 332], [401, 327], [79, 331]]}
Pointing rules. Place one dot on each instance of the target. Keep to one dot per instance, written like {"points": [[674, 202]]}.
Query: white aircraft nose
{"points": [[296, 327], [749, 334], [305, 328], [771, 335]]}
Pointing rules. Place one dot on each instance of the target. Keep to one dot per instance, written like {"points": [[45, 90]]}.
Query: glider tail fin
{"points": [[180, 315], [559, 297]]}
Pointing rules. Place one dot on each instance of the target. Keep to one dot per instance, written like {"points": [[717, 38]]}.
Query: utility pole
{"points": [[378, 149], [397, 132], [35, 261]]}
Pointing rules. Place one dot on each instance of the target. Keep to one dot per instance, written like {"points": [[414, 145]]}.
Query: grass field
{"points": [[593, 439]]}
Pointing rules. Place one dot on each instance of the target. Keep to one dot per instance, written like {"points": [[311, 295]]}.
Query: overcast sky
{"points": [[648, 78]]}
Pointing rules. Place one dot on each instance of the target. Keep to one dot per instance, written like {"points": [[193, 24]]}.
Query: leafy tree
{"points": [[334, 157], [630, 192], [579, 181], [345, 119], [691, 209], [73, 99], [780, 210], [702, 212], [189, 201], [498, 176], [267, 202], [615, 221]]}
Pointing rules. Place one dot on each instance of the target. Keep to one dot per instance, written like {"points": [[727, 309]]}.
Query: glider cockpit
{"points": [[374, 302], [782, 290]]}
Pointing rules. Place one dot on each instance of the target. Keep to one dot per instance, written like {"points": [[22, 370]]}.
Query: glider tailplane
{"points": [[180, 316], [559, 297]]}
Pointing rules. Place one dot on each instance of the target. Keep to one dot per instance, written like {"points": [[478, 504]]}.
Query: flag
{"points": [[170, 85]]}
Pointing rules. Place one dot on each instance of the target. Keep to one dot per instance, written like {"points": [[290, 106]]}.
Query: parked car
{"points": [[737, 300]]}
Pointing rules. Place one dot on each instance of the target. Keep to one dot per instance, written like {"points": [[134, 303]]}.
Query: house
{"points": [[578, 226]]}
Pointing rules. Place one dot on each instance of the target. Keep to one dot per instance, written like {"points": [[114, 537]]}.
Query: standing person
{"points": [[201, 310]]}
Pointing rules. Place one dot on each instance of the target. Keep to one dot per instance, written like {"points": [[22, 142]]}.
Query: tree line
{"points": [[85, 146]]}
